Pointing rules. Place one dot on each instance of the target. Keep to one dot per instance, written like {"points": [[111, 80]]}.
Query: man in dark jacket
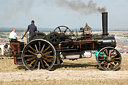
{"points": [[31, 28]]}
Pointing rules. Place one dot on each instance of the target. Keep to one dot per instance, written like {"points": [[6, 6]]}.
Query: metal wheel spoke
{"points": [[59, 29], [47, 59], [38, 65], [102, 59], [116, 58], [114, 55], [105, 64], [114, 64], [111, 66], [42, 48], [108, 66], [46, 63], [48, 56], [32, 62], [29, 55], [113, 52], [105, 54], [31, 52], [36, 48], [42, 64], [46, 49], [101, 55], [32, 48], [39, 45], [30, 59], [65, 30], [35, 64], [47, 52], [115, 61], [109, 53]]}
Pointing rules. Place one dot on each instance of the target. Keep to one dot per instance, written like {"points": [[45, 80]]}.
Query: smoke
{"points": [[80, 6], [76, 5], [25, 7]]}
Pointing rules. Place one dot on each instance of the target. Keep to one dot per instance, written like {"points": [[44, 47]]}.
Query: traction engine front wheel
{"points": [[109, 58], [39, 54]]}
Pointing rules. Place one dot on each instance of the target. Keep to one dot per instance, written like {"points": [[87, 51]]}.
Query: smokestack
{"points": [[105, 23]]}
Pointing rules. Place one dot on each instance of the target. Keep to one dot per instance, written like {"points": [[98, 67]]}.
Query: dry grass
{"points": [[80, 64], [7, 65], [124, 64], [88, 64]]}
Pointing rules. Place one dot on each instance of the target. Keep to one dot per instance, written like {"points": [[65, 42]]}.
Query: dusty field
{"points": [[78, 72]]}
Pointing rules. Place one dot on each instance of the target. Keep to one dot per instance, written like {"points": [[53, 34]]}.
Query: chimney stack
{"points": [[105, 23]]}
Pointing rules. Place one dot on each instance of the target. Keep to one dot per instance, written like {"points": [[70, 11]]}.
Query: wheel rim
{"points": [[109, 58], [39, 54]]}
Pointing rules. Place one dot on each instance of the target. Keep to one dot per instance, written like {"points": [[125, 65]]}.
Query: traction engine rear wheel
{"points": [[109, 58], [39, 54]]}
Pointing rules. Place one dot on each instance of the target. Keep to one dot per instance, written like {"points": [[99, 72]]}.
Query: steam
{"points": [[81, 7]]}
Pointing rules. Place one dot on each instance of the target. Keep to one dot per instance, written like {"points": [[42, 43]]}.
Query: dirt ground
{"points": [[77, 72]]}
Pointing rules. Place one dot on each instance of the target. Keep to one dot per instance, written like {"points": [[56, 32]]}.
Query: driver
{"points": [[31, 28], [14, 43], [13, 35]]}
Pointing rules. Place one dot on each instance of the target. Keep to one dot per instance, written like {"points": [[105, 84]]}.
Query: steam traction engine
{"points": [[43, 51]]}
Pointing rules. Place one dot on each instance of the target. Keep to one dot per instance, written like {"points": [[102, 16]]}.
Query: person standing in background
{"points": [[31, 28]]}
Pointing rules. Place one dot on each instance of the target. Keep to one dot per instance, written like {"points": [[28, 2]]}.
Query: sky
{"points": [[72, 13]]}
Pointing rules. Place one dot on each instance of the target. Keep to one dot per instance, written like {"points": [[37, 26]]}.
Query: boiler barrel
{"points": [[105, 42]]}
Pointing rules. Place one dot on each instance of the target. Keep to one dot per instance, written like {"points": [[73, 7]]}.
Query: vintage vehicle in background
{"points": [[43, 51]]}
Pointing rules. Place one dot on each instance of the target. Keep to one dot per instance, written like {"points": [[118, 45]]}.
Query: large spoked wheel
{"points": [[62, 29], [109, 58], [39, 54]]}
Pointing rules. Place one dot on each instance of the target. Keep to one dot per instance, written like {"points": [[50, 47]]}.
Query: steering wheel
{"points": [[62, 31]]}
